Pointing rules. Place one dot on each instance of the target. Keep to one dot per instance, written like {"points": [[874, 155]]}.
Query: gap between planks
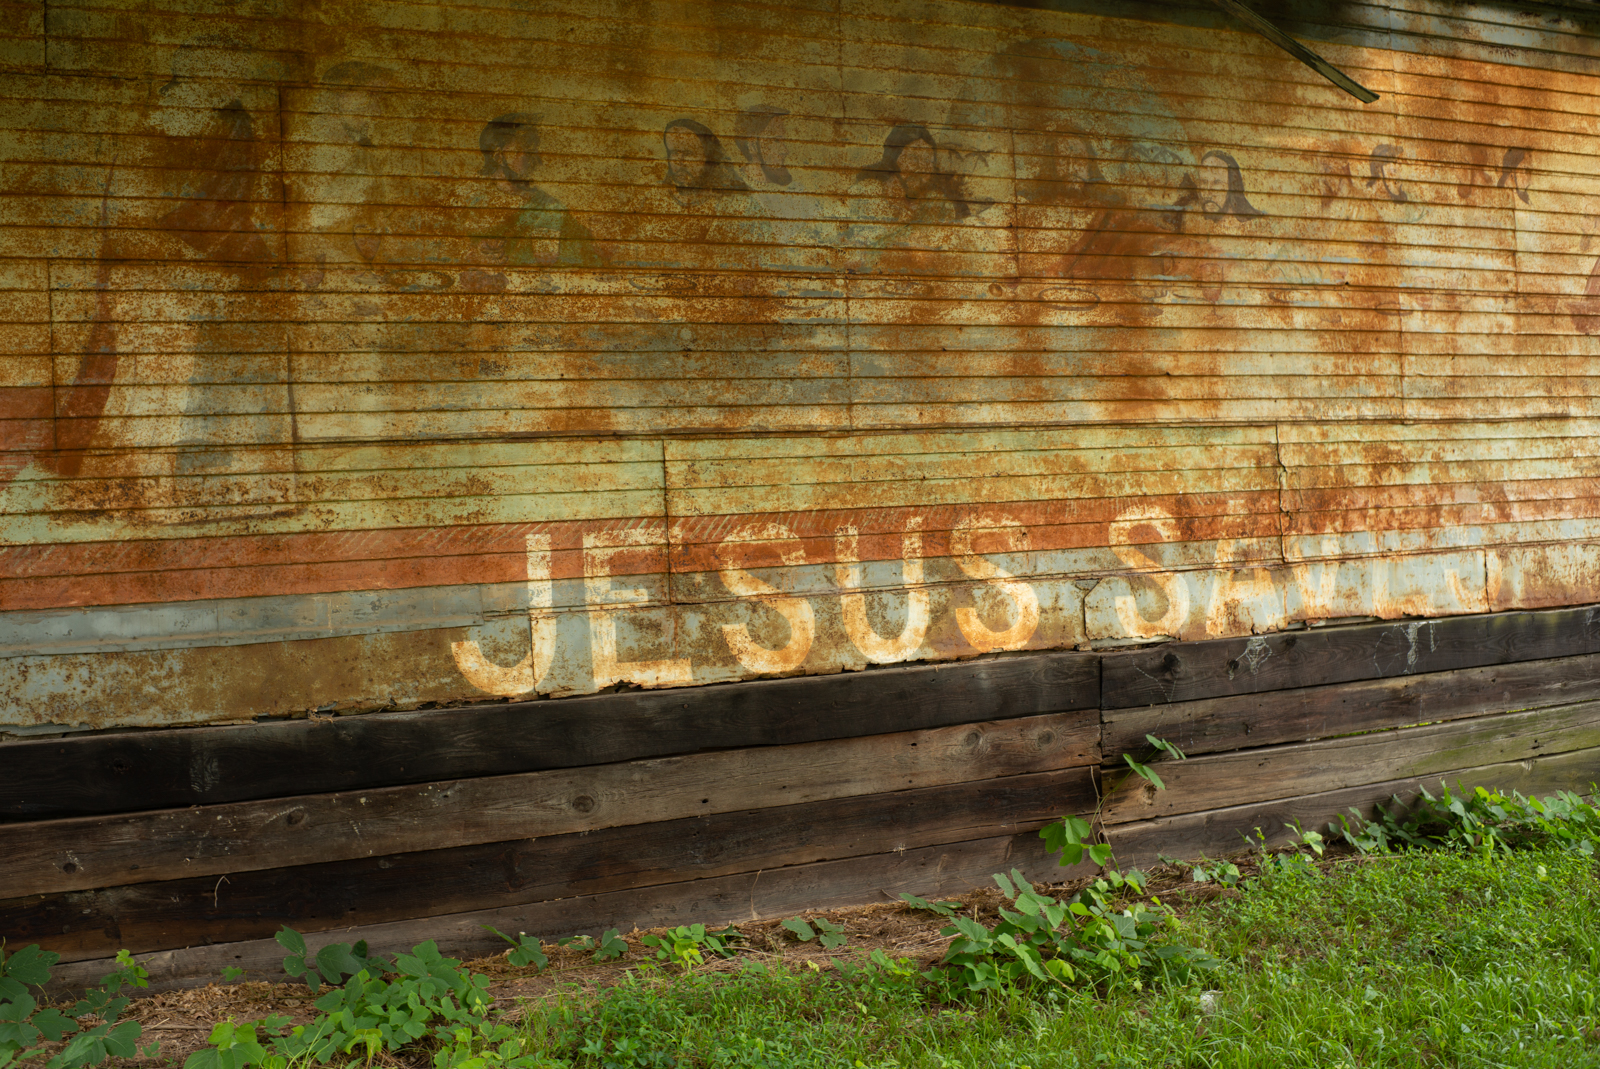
{"points": [[1220, 832], [1223, 780], [249, 905], [937, 870], [88, 852]]}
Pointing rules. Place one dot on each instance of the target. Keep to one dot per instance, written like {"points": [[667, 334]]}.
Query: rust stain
{"points": [[333, 337]]}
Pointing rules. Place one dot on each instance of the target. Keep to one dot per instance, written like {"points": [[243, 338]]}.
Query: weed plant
{"points": [[1461, 931], [1417, 958]]}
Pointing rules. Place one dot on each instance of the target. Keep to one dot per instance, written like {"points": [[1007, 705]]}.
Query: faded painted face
{"points": [[520, 157], [686, 156], [1212, 178], [352, 111], [185, 106]]}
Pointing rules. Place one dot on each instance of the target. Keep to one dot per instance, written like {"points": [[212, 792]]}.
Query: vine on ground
{"points": [[92, 1021], [1478, 819]]}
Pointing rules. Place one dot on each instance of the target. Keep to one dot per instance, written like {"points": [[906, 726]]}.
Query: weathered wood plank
{"points": [[176, 913], [782, 892], [1221, 780], [1219, 832], [1294, 659], [131, 771], [87, 852], [1212, 725]]}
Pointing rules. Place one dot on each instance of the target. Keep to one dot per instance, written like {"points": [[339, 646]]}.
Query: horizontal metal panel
{"points": [[238, 621], [777, 605], [346, 363]]}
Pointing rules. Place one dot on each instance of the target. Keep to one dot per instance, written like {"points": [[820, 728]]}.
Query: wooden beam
{"points": [[86, 852], [1297, 50], [1319, 656], [768, 893], [1213, 725], [139, 770], [250, 905], [1220, 832], [1246, 776]]}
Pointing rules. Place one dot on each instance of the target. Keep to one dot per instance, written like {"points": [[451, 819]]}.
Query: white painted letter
{"points": [[602, 598], [1173, 586], [797, 611], [524, 676], [1317, 581], [972, 626], [853, 603], [1235, 602]]}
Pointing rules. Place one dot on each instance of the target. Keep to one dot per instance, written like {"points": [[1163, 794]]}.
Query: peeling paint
{"points": [[358, 357]]}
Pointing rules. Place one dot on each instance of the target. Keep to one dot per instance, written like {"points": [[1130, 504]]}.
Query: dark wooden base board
{"points": [[1220, 832], [131, 771], [1217, 781], [1188, 671], [1278, 717], [757, 799], [781, 892], [84, 853], [364, 891]]}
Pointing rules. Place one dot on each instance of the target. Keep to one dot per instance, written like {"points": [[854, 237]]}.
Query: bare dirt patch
{"points": [[181, 1021]]}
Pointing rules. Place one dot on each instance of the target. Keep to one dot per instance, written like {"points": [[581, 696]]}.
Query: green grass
{"points": [[1416, 959]]}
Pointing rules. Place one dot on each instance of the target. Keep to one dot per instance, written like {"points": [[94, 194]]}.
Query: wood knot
{"points": [[297, 817], [583, 803]]}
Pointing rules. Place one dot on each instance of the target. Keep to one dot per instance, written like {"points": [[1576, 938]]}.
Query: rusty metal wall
{"points": [[369, 355]]}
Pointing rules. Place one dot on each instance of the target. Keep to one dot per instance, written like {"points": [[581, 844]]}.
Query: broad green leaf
{"points": [[943, 909], [291, 941], [53, 1024], [972, 929], [30, 965], [123, 1039], [86, 1048], [800, 929], [1165, 747], [528, 956], [1060, 969], [1143, 772], [17, 1035], [611, 946], [18, 1009], [335, 962]]}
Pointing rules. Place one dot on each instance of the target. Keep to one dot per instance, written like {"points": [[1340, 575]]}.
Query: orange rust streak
{"points": [[197, 569], [1072, 524], [118, 573]]}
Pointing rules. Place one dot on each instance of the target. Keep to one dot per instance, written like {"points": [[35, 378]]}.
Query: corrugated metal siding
{"points": [[810, 336]]}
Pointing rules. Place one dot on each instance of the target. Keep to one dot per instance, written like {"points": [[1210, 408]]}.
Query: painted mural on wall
{"points": [[575, 352]]}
